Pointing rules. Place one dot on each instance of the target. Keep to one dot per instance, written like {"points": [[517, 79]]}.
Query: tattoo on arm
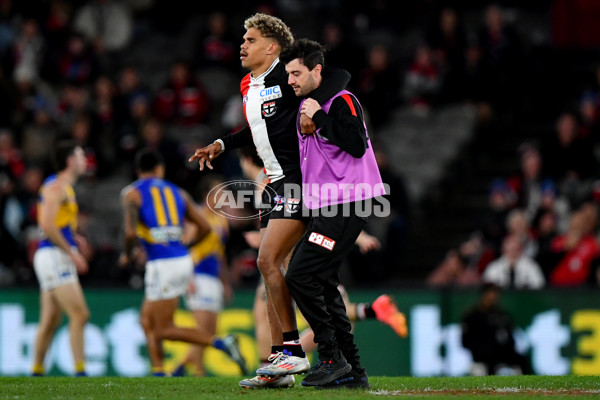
{"points": [[131, 216]]}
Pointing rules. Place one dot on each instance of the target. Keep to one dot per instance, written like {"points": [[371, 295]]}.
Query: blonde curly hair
{"points": [[271, 27]]}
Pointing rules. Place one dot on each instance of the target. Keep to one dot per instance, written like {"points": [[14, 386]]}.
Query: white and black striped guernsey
{"points": [[270, 106]]}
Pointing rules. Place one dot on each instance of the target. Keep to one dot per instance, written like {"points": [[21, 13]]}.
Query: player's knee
{"points": [[80, 316], [264, 263]]}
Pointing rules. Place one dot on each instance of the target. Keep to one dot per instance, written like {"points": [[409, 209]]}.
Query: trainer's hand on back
{"points": [[206, 154], [307, 126]]}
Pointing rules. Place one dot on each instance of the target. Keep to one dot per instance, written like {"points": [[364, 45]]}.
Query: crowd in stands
{"points": [[68, 68], [541, 227]]}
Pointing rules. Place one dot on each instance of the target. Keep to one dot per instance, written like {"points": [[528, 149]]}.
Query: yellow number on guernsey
{"points": [[159, 209]]}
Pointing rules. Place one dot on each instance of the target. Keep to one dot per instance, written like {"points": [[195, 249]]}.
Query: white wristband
{"points": [[221, 143]]}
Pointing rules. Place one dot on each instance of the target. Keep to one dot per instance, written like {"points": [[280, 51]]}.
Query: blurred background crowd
{"points": [[484, 118]]}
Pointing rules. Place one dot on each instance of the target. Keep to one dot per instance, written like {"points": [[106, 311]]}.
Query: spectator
{"points": [[342, 52], [501, 199], [527, 182], [11, 159], [487, 332], [28, 50], [57, 30], [216, 47], [566, 157], [518, 225], [105, 23], [501, 57], [545, 226], [153, 138], [182, 99], [129, 87], [423, 80], [77, 63], [8, 98], [39, 135], [514, 269], [74, 101], [448, 42], [11, 217], [377, 85], [589, 115], [460, 267], [576, 250]]}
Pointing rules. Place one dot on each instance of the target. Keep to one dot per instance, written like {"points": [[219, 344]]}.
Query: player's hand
{"points": [[307, 125], [253, 239], [206, 154], [191, 287], [367, 242], [83, 246], [310, 107], [80, 263], [123, 261]]}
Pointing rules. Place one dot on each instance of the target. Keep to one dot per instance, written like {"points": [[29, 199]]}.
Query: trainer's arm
{"points": [[192, 215], [343, 126], [334, 81]]}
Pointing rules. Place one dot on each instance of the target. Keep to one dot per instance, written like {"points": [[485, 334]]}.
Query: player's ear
{"points": [[273, 48]]}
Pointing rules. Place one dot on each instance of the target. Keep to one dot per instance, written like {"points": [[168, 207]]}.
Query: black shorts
{"points": [[282, 199]]}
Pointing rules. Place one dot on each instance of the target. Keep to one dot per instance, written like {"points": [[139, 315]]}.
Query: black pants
{"points": [[313, 278]]}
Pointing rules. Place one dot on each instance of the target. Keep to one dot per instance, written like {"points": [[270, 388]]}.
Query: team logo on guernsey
{"points": [[279, 199], [269, 109], [270, 93], [321, 240], [292, 206]]}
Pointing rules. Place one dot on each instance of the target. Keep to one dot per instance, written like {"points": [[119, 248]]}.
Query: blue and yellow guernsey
{"points": [[66, 218], [209, 254], [160, 224]]}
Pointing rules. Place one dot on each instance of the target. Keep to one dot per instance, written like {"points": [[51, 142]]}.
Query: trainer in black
{"points": [[351, 380], [326, 372]]}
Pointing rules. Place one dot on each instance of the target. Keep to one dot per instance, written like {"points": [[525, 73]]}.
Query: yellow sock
{"points": [[38, 369], [156, 370], [80, 366]]}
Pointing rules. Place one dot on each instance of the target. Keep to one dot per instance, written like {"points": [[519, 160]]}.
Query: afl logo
{"points": [[245, 99]]}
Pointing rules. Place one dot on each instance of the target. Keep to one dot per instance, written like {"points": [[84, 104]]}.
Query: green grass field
{"points": [[227, 388]]}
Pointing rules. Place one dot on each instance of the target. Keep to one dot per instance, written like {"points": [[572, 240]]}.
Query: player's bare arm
{"points": [[54, 196], [131, 202], [192, 215]]}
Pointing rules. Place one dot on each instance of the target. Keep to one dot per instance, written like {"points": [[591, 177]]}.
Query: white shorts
{"points": [[53, 268], [208, 294], [168, 278]]}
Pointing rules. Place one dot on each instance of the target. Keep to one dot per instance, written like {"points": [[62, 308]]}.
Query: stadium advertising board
{"points": [[560, 330]]}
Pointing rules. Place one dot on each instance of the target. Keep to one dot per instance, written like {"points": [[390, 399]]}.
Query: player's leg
{"points": [[266, 334], [267, 330], [205, 302], [71, 299], [153, 344], [207, 320], [279, 239], [50, 316]]}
